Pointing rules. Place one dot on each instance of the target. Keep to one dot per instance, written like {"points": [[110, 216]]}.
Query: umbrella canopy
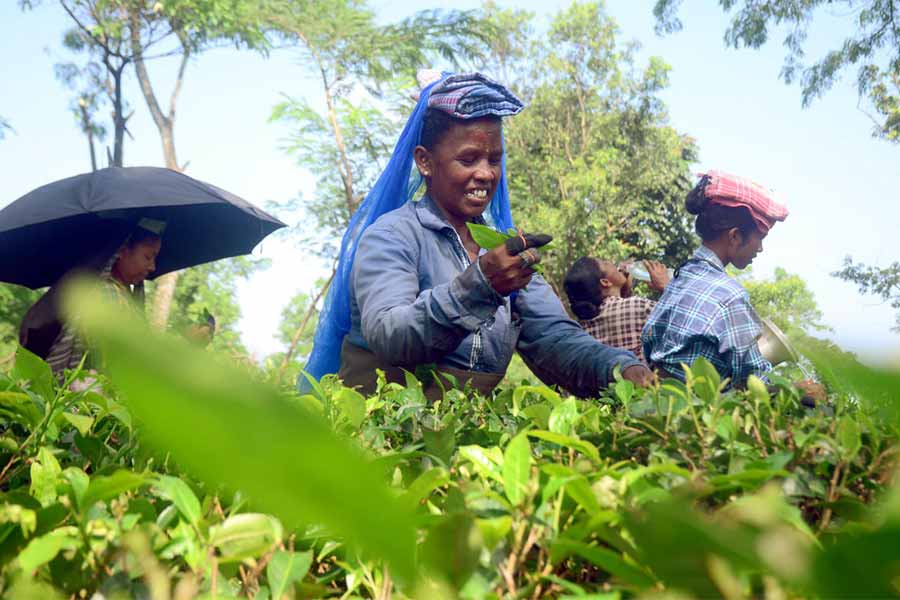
{"points": [[53, 228]]}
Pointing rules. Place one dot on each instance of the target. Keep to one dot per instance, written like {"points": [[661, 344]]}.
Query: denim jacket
{"points": [[416, 298]]}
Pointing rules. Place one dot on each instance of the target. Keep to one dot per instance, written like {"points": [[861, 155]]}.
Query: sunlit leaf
{"points": [[284, 458], [517, 469]]}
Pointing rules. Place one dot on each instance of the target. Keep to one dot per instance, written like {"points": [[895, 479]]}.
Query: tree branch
{"points": [[141, 70]]}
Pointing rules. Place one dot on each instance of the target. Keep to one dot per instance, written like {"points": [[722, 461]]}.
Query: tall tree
{"points": [[786, 300], [592, 160], [100, 79], [348, 52], [182, 28], [871, 46], [881, 282]]}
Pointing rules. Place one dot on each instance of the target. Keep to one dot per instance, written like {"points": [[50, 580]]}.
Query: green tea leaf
{"points": [[706, 380], [486, 461], [424, 484], [517, 469], [181, 495], [486, 237], [103, 488], [494, 530], [585, 447], [440, 442], [849, 437], [564, 416], [20, 408], [45, 471], [36, 372], [285, 569], [43, 549], [82, 423], [604, 558], [79, 482], [352, 406], [452, 547], [245, 535]]}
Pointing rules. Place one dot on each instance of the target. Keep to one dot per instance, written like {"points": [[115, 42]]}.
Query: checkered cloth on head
{"points": [[730, 190], [472, 95], [620, 322]]}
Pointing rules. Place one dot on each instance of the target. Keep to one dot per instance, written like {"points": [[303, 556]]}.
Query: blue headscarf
{"points": [[465, 96]]}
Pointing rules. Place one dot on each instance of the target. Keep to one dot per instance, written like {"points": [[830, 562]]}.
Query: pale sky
{"points": [[839, 183]]}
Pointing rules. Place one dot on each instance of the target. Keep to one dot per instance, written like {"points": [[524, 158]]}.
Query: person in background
{"points": [[415, 290], [122, 268], [601, 295], [705, 312]]}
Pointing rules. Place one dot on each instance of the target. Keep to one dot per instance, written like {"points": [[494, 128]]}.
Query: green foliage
{"points": [[680, 489], [365, 145], [872, 46], [884, 283], [15, 300], [785, 300], [346, 142]]}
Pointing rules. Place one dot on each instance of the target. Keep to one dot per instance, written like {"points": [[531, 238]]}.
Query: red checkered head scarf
{"points": [[732, 191]]}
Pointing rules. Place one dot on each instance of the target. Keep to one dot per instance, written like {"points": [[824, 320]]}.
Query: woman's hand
{"points": [[639, 375], [659, 275], [508, 267]]}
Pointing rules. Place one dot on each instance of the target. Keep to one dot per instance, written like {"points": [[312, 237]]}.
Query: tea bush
{"points": [[188, 478]]}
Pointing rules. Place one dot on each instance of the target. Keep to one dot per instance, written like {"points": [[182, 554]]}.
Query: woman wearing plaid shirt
{"points": [[600, 295], [703, 311]]}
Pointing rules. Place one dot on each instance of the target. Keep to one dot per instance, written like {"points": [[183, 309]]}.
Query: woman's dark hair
{"points": [[582, 285], [712, 218], [437, 123]]}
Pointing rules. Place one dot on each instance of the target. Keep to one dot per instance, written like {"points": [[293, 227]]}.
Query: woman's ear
{"points": [[605, 283], [735, 237], [423, 160]]}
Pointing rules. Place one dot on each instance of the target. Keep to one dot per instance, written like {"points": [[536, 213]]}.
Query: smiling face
{"points": [[136, 262], [463, 168]]}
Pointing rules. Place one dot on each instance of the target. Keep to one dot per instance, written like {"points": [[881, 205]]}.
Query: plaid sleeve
{"points": [[739, 345]]}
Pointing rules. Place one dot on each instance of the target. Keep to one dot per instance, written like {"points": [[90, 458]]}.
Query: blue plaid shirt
{"points": [[704, 312]]}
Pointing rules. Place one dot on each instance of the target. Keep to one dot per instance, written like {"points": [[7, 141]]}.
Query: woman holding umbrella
{"points": [[110, 223], [122, 273]]}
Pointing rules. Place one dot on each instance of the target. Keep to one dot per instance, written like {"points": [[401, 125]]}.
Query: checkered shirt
{"points": [[704, 312], [731, 190], [620, 322]]}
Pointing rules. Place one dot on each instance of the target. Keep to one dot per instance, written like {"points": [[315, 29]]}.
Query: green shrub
{"points": [[190, 478]]}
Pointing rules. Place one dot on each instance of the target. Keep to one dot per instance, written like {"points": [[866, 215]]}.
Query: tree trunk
{"points": [[89, 131], [165, 123]]}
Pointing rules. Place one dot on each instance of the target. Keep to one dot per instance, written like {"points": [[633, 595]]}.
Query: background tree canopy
{"points": [[871, 46]]}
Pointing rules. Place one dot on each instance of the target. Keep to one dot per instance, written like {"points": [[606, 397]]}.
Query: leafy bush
{"points": [[192, 479]]}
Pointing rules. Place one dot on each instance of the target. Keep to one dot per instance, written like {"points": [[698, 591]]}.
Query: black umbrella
{"points": [[51, 229]]}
